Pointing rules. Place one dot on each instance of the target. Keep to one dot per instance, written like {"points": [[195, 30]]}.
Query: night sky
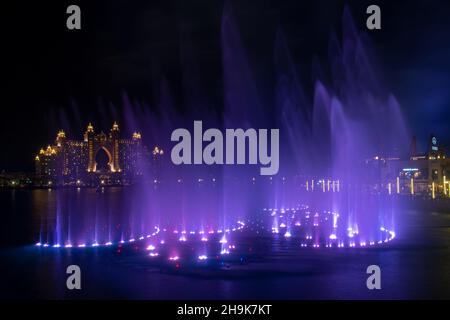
{"points": [[129, 46]]}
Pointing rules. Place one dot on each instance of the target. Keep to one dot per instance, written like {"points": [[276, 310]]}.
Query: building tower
{"points": [[38, 167], [89, 138], [114, 134], [60, 138], [60, 146], [136, 154]]}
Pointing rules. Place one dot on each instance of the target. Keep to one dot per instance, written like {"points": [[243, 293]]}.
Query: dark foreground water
{"points": [[416, 264]]}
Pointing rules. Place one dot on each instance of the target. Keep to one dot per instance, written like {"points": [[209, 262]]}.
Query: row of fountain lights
{"points": [[183, 237], [389, 235], [225, 247]]}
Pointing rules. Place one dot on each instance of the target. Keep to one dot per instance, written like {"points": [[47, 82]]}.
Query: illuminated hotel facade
{"points": [[98, 159]]}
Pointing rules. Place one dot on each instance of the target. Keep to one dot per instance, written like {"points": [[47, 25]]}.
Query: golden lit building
{"points": [[97, 159]]}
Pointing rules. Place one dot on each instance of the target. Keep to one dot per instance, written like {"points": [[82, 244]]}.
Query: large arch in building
{"points": [[98, 153], [108, 143]]}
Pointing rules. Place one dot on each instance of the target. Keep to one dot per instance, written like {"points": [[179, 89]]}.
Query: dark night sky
{"points": [[130, 45]]}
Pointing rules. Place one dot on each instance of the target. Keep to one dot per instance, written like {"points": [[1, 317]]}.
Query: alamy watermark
{"points": [[73, 21], [236, 141], [374, 280], [74, 280], [373, 22]]}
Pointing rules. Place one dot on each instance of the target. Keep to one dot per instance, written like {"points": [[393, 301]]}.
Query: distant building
{"points": [[98, 159], [419, 173]]}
